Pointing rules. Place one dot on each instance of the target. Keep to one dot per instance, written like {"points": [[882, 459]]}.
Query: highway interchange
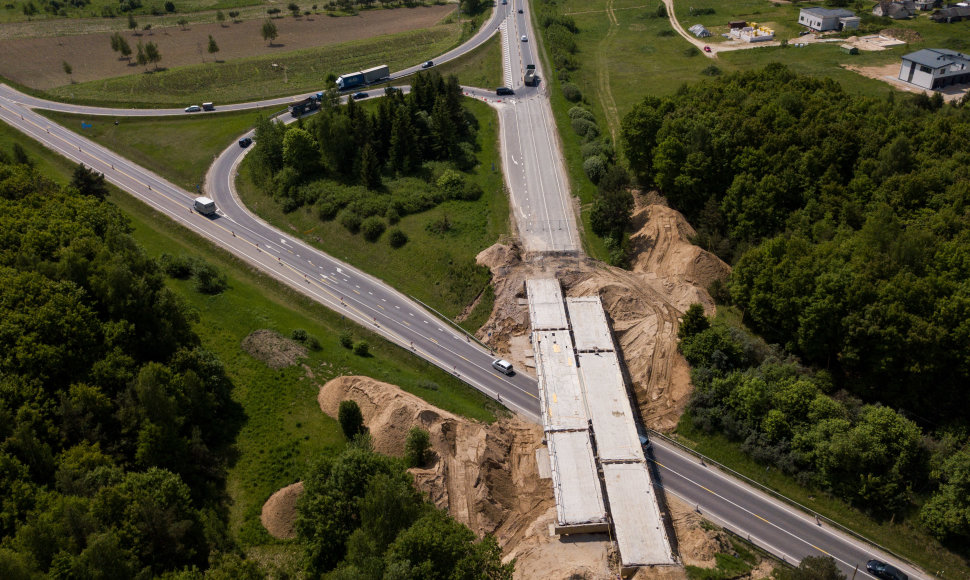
{"points": [[541, 204]]}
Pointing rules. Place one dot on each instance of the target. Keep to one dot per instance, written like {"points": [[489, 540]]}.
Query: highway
{"points": [[539, 191]]}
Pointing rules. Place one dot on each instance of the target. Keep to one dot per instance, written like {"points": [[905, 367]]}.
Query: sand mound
{"points": [[273, 349], [668, 275], [484, 475], [279, 512]]}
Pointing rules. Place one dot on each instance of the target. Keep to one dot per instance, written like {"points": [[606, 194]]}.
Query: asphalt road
{"points": [[530, 150]]}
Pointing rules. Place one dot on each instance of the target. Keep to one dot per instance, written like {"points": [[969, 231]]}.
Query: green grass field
{"points": [[177, 148], [481, 67], [425, 266], [255, 78], [285, 428]]}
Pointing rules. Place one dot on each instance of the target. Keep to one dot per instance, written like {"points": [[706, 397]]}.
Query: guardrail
{"points": [[773, 493]]}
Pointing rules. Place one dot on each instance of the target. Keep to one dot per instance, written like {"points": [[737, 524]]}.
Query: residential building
{"points": [[951, 14], [935, 68], [895, 10], [822, 19]]}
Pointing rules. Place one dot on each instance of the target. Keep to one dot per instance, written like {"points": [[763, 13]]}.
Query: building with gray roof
{"points": [[935, 68]]}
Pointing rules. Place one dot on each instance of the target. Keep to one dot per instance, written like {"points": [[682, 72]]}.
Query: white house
{"points": [[935, 68], [822, 19]]}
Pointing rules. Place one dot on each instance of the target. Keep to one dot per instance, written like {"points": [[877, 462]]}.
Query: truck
{"points": [[530, 79], [305, 106], [204, 206], [364, 77]]}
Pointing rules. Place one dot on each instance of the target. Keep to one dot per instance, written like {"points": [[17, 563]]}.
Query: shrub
{"points": [[350, 418], [471, 192], [578, 112], [416, 447], [585, 127], [439, 226], [299, 335], [451, 183], [372, 228], [592, 149], [177, 266], [170, 6], [665, 32], [397, 238], [362, 348], [312, 343], [594, 167], [691, 51], [350, 220], [208, 280], [346, 339], [711, 71], [572, 92], [392, 214], [326, 209], [662, 11]]}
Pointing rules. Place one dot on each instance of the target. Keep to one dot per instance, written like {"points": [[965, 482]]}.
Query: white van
{"points": [[503, 366], [205, 206]]}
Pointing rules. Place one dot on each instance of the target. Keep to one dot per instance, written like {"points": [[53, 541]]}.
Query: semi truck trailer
{"points": [[364, 77], [530, 79], [305, 106]]}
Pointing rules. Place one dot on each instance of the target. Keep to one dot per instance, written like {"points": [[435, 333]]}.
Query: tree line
{"points": [[114, 421], [846, 221], [845, 218]]}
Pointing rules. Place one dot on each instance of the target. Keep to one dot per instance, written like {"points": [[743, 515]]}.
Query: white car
{"points": [[193, 109], [524, 38]]}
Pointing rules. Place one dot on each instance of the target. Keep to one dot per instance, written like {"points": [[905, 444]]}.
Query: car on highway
{"points": [[520, 11], [193, 109], [885, 571], [707, 49], [245, 142], [428, 64], [503, 366], [208, 107], [362, 95], [525, 38], [504, 91]]}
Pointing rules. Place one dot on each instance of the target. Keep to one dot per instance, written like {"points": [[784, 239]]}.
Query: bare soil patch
{"points": [[36, 62], [273, 349], [644, 304], [279, 512]]}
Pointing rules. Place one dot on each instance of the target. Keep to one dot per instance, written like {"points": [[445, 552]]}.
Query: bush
{"points": [[326, 209], [208, 280], [572, 92], [662, 11], [711, 71], [665, 32], [592, 149], [346, 339], [312, 343], [397, 238], [472, 191], [372, 228], [578, 112], [180, 267], [350, 220], [299, 335], [362, 348], [451, 183], [439, 226], [691, 51], [350, 418], [585, 128], [392, 214], [416, 447], [594, 167], [169, 6]]}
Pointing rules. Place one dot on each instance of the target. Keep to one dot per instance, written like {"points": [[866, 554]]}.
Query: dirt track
{"points": [[36, 62]]}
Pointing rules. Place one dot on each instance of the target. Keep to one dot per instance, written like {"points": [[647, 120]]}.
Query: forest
{"points": [[845, 219], [117, 427]]}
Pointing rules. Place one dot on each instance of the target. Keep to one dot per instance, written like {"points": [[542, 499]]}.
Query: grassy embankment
{"points": [[285, 428], [256, 78]]}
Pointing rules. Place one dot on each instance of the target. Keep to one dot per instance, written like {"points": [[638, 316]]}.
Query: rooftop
{"points": [[937, 57], [829, 12]]}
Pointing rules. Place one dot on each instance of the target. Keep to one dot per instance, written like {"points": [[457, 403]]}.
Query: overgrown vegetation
{"points": [[361, 515], [846, 219], [113, 420]]}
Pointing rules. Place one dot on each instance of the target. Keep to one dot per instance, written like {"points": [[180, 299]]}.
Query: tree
{"points": [[350, 418], [142, 57], [362, 348], [611, 213], [152, 55], [300, 151], [372, 228], [182, 22], [169, 6], [124, 48], [213, 47], [370, 167], [89, 182], [132, 24], [947, 513], [269, 32], [693, 322], [416, 447], [68, 69], [221, 17], [817, 568]]}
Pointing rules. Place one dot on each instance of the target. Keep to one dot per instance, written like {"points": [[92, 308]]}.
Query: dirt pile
{"points": [[273, 349], [668, 275], [279, 512], [485, 475]]}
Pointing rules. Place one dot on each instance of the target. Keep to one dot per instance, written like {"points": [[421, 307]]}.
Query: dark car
{"points": [[360, 95], [520, 11], [245, 142], [428, 64], [504, 91], [885, 571]]}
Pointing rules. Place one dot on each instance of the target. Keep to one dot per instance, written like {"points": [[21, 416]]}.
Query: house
{"points": [[935, 68], [699, 31], [895, 10], [822, 19], [927, 4], [951, 14]]}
